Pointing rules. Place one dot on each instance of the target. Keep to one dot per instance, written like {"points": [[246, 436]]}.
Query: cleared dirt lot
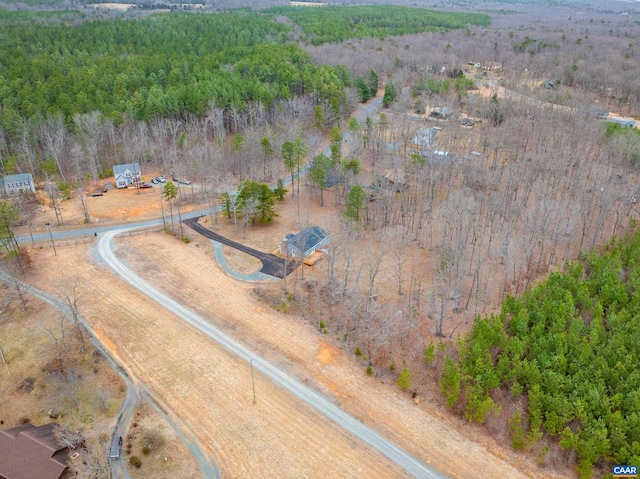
{"points": [[211, 391]]}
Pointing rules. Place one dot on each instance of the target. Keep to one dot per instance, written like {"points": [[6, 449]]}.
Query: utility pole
{"points": [[55, 253], [8, 372], [253, 384]]}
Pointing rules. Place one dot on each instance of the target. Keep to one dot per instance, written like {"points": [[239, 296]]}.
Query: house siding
{"points": [[127, 174], [21, 183]]}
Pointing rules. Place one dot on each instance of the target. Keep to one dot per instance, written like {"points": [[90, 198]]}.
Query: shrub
{"points": [[357, 352], [450, 382], [135, 461], [392, 366], [369, 370], [404, 380], [146, 450], [322, 326], [185, 240], [517, 434], [153, 440], [429, 354], [543, 454], [516, 389]]}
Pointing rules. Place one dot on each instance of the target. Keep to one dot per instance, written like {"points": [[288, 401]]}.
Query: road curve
{"points": [[134, 390], [323, 405]]}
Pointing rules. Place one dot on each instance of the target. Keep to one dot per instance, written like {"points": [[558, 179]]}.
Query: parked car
{"points": [[146, 185], [183, 181], [467, 122], [116, 446]]}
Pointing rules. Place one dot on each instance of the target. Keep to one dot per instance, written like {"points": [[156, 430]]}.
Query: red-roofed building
{"points": [[30, 452]]}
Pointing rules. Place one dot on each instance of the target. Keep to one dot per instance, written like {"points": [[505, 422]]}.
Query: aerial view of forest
{"points": [[476, 165]]}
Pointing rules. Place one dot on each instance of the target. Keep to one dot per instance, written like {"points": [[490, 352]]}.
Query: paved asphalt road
{"points": [[368, 110], [314, 399], [271, 264]]}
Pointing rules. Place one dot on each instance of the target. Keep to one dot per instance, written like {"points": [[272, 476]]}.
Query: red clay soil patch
{"points": [[107, 343], [327, 353]]}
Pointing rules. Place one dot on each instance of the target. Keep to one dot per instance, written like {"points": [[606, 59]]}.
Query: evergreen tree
{"points": [[261, 198], [404, 379], [267, 152], [364, 93], [8, 216], [373, 82], [390, 93], [319, 172], [318, 115], [355, 203], [279, 191]]}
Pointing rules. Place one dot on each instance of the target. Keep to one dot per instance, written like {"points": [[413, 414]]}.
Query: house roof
{"points": [[122, 169], [19, 178], [307, 238], [441, 111], [425, 136], [395, 176], [29, 451]]}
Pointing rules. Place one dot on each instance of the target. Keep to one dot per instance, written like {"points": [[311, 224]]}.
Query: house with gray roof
{"points": [[304, 243], [14, 184], [127, 174], [441, 112], [30, 452]]}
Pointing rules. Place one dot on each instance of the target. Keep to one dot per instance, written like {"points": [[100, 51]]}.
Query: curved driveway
{"points": [[271, 264], [317, 401]]}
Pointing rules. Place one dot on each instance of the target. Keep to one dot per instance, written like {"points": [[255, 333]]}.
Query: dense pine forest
{"points": [[170, 65], [336, 24], [565, 356]]}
